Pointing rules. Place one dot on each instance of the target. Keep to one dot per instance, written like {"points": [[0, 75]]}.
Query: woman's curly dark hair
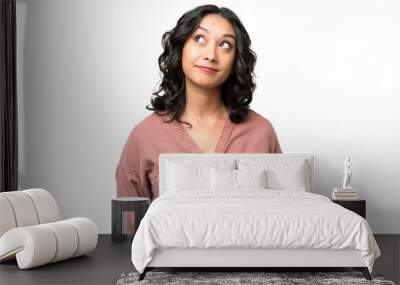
{"points": [[236, 91]]}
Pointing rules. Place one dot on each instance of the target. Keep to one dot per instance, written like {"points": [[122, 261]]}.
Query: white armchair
{"points": [[32, 233]]}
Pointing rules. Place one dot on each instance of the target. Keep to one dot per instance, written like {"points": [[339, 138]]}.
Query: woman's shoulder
{"points": [[255, 119], [260, 127], [149, 125]]}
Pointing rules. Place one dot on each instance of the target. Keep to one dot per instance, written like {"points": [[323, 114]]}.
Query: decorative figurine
{"points": [[348, 172]]}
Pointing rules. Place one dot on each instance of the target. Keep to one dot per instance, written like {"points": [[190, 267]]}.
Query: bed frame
{"points": [[243, 259]]}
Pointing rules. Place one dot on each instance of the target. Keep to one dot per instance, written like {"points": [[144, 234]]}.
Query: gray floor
{"points": [[102, 266], [111, 259]]}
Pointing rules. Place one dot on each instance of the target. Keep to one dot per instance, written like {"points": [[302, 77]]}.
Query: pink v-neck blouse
{"points": [[137, 171]]}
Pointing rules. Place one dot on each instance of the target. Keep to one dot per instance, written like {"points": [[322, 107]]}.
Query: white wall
{"points": [[328, 80]]}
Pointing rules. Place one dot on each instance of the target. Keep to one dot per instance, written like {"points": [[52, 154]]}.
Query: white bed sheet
{"points": [[250, 218]]}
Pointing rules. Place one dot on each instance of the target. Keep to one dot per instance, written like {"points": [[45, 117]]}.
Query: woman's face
{"points": [[211, 45]]}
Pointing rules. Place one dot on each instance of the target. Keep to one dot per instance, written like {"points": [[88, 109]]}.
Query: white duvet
{"points": [[252, 218]]}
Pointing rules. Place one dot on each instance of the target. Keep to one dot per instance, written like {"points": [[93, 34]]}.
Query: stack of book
{"points": [[344, 194]]}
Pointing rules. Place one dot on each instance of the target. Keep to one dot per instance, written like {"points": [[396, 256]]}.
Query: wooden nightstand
{"points": [[357, 206]]}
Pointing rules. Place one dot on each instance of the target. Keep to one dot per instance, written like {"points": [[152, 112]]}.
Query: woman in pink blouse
{"points": [[202, 104]]}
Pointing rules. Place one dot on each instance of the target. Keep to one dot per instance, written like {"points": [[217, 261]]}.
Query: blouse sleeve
{"points": [[131, 177], [131, 172], [274, 142]]}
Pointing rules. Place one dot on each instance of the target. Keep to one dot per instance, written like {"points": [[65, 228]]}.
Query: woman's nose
{"points": [[211, 53]]}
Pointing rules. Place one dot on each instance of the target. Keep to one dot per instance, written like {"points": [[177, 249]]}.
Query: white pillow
{"points": [[223, 179], [251, 178], [235, 179], [183, 178], [288, 178], [185, 175], [282, 174]]}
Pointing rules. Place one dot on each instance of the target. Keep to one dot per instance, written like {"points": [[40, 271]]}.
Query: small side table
{"points": [[139, 205], [357, 206]]}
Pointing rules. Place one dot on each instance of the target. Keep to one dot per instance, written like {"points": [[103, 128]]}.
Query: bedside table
{"points": [[357, 206], [119, 205]]}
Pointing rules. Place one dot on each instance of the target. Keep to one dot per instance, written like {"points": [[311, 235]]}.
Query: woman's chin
{"points": [[208, 84]]}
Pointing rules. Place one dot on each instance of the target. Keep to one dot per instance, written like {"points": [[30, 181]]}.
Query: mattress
{"points": [[251, 219]]}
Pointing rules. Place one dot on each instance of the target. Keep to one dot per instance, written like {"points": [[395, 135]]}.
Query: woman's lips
{"points": [[207, 70]]}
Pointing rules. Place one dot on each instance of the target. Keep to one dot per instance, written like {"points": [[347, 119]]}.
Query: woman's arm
{"points": [[274, 144], [131, 178], [127, 183], [131, 172], [277, 147]]}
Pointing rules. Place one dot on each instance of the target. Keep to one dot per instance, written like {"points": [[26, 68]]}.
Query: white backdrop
{"points": [[327, 78]]}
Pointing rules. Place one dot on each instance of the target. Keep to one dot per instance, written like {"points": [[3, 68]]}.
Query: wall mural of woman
{"points": [[202, 103]]}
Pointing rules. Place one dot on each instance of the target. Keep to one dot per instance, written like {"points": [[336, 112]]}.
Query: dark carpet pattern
{"points": [[269, 278]]}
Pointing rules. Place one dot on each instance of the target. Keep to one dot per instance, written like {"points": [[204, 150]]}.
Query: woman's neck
{"points": [[203, 104]]}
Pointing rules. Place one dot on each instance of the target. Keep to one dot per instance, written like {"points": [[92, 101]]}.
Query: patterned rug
{"points": [[269, 278]]}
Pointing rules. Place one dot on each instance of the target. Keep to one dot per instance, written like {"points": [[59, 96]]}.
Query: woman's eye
{"points": [[229, 45], [196, 38]]}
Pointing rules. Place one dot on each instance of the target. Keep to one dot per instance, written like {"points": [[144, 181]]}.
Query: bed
{"points": [[247, 210]]}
